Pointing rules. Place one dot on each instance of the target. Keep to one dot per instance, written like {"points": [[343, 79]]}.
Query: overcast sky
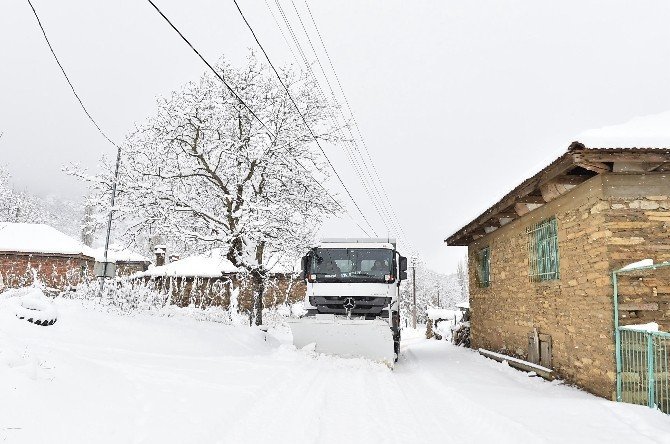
{"points": [[458, 100]]}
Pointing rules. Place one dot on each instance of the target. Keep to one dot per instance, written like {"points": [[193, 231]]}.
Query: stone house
{"points": [[59, 261], [541, 258], [209, 279]]}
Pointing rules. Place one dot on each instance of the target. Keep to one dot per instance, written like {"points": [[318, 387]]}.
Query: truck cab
{"points": [[357, 279]]}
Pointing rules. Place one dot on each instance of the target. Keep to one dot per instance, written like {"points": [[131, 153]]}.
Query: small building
{"points": [[59, 261], [541, 258], [127, 261], [210, 279]]}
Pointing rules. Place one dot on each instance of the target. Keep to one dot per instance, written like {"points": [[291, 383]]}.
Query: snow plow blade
{"points": [[349, 338]]}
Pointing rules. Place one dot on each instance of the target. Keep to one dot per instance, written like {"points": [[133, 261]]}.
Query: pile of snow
{"points": [[651, 131], [39, 238], [31, 304]]}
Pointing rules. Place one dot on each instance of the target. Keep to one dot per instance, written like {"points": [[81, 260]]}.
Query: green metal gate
{"points": [[642, 357], [643, 378]]}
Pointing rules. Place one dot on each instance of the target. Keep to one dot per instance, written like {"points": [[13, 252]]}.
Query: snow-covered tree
{"points": [[204, 173], [433, 290], [22, 206]]}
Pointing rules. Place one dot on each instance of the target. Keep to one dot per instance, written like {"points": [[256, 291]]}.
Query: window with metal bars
{"points": [[543, 257], [484, 267]]}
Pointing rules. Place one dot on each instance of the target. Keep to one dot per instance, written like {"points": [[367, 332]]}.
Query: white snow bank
{"points": [[650, 131], [649, 327], [39, 238], [638, 264]]}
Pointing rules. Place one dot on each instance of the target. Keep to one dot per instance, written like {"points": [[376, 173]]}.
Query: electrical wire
{"points": [[243, 103], [309, 129]]}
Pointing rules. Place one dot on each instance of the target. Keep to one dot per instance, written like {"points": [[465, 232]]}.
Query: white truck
{"points": [[353, 299]]}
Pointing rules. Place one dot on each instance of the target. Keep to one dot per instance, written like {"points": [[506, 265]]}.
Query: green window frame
{"points": [[543, 255], [484, 267]]}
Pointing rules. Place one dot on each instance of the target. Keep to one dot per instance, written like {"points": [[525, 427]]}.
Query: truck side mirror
{"points": [[402, 267], [304, 264], [403, 263]]}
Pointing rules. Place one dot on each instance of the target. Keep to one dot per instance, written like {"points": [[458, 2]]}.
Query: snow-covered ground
{"points": [[100, 377]]}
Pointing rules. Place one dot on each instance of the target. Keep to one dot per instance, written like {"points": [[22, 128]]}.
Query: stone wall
{"points": [[60, 272], [574, 310], [607, 222], [206, 292], [638, 220]]}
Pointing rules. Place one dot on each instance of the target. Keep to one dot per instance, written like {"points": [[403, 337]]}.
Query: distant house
{"points": [[540, 259], [127, 262], [209, 279], [60, 261]]}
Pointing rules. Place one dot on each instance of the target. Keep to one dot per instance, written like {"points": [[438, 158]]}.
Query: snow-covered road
{"points": [[100, 377]]}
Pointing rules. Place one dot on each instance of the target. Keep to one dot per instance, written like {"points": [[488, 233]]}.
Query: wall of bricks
{"points": [[603, 224], [60, 272]]}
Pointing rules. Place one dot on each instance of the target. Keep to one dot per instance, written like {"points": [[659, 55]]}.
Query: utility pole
{"points": [[414, 292], [438, 295]]}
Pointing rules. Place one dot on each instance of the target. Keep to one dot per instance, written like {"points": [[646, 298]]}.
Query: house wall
{"points": [[59, 272], [603, 224], [575, 310], [638, 219]]}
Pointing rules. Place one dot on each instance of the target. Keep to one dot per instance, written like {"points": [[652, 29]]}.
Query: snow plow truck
{"points": [[352, 299]]}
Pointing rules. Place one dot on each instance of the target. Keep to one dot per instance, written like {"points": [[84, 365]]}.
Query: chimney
{"points": [[159, 251]]}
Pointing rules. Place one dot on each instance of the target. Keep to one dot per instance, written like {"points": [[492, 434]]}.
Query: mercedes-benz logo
{"points": [[349, 304]]}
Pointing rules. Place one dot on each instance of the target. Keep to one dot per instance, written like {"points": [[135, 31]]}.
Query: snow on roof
{"points": [[441, 313], [651, 131], [39, 238], [211, 264], [116, 253], [464, 304]]}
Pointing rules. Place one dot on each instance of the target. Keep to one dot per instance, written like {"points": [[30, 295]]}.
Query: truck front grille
{"points": [[364, 305]]}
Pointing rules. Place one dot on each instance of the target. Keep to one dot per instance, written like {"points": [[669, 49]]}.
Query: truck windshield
{"points": [[352, 264]]}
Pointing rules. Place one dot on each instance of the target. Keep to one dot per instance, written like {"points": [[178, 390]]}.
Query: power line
{"points": [[118, 148], [358, 129], [309, 129], [274, 136], [349, 151], [39, 22], [373, 191]]}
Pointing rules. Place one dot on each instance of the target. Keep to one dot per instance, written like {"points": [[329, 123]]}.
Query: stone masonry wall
{"points": [[638, 219], [59, 272], [206, 292], [575, 310]]}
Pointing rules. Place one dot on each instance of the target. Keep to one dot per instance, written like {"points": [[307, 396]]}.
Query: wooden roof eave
{"points": [[463, 237]]}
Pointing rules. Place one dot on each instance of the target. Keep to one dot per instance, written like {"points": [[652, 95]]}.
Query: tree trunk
{"points": [[259, 289]]}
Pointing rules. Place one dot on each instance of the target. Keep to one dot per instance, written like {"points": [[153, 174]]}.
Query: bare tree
{"points": [[204, 171]]}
